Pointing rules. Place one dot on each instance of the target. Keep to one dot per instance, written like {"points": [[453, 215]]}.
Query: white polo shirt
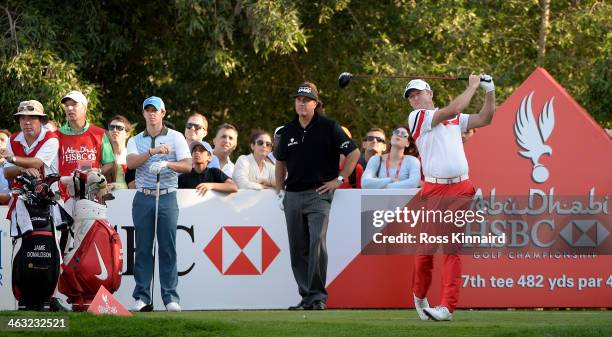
{"points": [[47, 152], [440, 147]]}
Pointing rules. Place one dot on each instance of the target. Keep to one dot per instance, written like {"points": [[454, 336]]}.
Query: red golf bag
{"points": [[96, 258]]}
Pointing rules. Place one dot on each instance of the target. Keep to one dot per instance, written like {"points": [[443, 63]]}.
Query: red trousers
{"points": [[423, 264]]}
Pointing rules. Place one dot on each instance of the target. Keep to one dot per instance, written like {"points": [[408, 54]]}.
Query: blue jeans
{"points": [[143, 217]]}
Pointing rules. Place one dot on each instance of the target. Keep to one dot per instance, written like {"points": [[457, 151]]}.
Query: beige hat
{"points": [[31, 108]]}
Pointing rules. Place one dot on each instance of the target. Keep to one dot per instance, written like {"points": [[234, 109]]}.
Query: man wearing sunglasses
{"points": [[307, 161], [119, 129], [196, 128], [374, 144], [437, 133], [83, 146]]}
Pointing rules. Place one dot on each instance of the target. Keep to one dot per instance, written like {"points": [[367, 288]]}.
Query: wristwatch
{"points": [[340, 178]]}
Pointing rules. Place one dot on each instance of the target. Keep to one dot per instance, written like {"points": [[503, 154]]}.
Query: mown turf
{"points": [[332, 323]]}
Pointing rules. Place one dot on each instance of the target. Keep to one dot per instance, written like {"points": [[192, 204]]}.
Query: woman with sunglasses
{"points": [[119, 129], [399, 168], [256, 171]]}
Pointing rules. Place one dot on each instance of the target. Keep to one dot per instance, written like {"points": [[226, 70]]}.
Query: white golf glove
{"points": [[280, 197], [156, 167], [487, 86]]}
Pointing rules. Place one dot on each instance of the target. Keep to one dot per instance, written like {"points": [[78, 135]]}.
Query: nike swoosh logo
{"points": [[103, 273]]}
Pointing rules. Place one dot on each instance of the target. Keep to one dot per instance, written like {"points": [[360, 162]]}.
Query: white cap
{"points": [[76, 96], [416, 84]]}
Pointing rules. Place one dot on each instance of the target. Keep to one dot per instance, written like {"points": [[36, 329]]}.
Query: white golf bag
{"points": [[96, 257]]}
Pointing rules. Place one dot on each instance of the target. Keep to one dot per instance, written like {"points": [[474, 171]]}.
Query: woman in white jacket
{"points": [[256, 171]]}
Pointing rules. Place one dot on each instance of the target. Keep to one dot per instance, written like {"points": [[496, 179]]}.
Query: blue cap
{"points": [[204, 144], [154, 101]]}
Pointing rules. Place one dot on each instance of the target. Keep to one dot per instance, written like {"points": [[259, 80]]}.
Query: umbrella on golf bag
{"points": [[96, 258], [36, 253]]}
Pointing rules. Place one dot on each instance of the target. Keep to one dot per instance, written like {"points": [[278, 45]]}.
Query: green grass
{"points": [[331, 323]]}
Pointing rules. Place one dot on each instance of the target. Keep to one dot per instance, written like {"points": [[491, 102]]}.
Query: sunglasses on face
{"points": [[400, 133], [261, 143], [197, 127], [113, 127], [374, 138]]}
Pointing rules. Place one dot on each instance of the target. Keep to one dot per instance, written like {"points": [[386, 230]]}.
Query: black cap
{"points": [[307, 90]]}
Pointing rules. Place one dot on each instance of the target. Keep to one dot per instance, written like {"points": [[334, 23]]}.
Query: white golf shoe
{"points": [[173, 306], [419, 305], [439, 313], [138, 305]]}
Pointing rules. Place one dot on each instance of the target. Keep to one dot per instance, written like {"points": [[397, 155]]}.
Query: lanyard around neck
{"points": [[399, 166]]}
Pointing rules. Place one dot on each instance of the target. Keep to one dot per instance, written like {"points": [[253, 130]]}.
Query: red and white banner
{"points": [[542, 142]]}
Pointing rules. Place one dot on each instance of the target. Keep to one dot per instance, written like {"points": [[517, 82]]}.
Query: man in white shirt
{"points": [[225, 143], [437, 133]]}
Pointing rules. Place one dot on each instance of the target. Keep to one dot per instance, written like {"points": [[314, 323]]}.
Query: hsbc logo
{"points": [[241, 250], [532, 135], [584, 233]]}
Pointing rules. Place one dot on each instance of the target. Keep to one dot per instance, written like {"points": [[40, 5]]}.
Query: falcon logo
{"points": [[241, 250], [103, 273], [531, 136], [292, 142], [345, 145]]}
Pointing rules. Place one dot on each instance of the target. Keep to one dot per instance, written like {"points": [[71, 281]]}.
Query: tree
{"points": [[239, 61]]}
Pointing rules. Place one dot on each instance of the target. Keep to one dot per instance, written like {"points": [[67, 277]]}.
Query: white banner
{"points": [[219, 272], [7, 301], [233, 251]]}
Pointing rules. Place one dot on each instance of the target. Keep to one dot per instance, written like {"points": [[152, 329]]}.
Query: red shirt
{"points": [[347, 180], [79, 151]]}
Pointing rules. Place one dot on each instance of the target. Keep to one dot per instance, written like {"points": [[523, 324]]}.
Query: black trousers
{"points": [[307, 215]]}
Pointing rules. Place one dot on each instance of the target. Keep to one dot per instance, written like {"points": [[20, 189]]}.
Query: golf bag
{"points": [[96, 258], [36, 254]]}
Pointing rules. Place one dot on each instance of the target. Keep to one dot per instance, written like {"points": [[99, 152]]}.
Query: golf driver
{"points": [[149, 307], [345, 78]]}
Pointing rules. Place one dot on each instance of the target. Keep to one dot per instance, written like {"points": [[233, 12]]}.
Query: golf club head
{"points": [[344, 79]]}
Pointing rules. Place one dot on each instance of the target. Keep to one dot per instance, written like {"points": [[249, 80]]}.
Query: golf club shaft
{"points": [[155, 240], [412, 77]]}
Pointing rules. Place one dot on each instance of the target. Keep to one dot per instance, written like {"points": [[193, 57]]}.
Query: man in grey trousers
{"points": [[307, 160]]}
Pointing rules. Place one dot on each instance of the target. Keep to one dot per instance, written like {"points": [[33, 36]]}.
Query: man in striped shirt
{"points": [[163, 151]]}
